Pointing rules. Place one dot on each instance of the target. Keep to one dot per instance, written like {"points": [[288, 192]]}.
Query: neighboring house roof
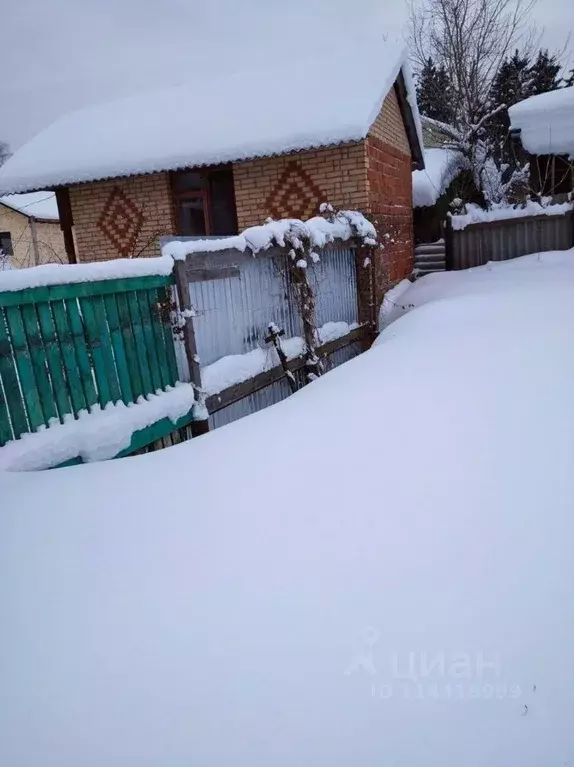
{"points": [[285, 105], [546, 122], [38, 205], [442, 166], [433, 136]]}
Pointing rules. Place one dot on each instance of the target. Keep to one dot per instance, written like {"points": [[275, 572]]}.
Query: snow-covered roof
{"points": [[36, 204], [283, 105], [441, 168], [546, 122]]}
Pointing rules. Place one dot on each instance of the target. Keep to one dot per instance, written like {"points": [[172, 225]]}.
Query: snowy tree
{"points": [[434, 94], [518, 79], [471, 41], [544, 74], [510, 85]]}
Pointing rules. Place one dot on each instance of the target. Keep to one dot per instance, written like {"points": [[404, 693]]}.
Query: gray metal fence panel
{"points": [[237, 295], [233, 312], [503, 240], [276, 392], [261, 399], [334, 281]]}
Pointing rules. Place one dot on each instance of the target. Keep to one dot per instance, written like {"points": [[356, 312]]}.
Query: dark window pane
{"points": [[192, 217], [6, 244], [562, 175], [222, 198], [189, 181], [544, 166]]}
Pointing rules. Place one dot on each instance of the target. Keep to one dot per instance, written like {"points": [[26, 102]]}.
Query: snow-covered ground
{"points": [[377, 570]]}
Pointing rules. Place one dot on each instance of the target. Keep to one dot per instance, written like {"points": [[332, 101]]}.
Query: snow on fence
{"points": [[235, 297], [88, 367], [474, 241]]}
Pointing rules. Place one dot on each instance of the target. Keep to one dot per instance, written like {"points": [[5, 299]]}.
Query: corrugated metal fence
{"points": [[236, 295], [478, 244]]}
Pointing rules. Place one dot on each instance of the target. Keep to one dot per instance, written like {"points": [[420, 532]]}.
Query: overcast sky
{"points": [[60, 55]]}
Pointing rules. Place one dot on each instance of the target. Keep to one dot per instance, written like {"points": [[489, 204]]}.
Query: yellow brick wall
{"points": [[148, 196], [48, 236], [294, 185], [389, 125]]}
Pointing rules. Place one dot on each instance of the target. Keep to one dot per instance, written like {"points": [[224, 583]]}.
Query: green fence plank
{"points": [[80, 345], [93, 337], [159, 340], [39, 362], [54, 360], [118, 345], [144, 299], [164, 296], [155, 431], [24, 367], [129, 345], [10, 382], [5, 429], [137, 328], [106, 346], [83, 289], [66, 341]]}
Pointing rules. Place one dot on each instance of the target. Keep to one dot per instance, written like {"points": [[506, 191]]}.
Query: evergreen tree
{"points": [[511, 85], [434, 92], [544, 74], [569, 82]]}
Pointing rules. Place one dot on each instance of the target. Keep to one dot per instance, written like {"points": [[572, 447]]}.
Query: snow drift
{"points": [[377, 570]]}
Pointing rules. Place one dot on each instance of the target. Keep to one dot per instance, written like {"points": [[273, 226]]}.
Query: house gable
{"points": [[390, 126]]}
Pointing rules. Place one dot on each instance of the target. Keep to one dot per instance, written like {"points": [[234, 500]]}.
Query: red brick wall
{"points": [[293, 186], [389, 173], [121, 217]]}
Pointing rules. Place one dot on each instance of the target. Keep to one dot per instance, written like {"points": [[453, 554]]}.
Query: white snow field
{"points": [[375, 571]]}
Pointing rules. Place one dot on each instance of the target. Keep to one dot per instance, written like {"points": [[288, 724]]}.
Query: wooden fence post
{"points": [[182, 287], [365, 277], [448, 245]]}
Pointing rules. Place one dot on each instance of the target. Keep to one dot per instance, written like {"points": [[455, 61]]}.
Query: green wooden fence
{"points": [[65, 348]]}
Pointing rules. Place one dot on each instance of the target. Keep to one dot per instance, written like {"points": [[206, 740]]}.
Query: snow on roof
{"points": [[36, 204], [281, 106], [441, 168], [546, 122], [414, 609]]}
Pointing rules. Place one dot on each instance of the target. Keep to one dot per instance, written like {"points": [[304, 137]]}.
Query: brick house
{"points": [[120, 188]]}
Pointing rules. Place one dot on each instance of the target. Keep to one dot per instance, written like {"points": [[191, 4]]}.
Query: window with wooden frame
{"points": [[204, 202]]}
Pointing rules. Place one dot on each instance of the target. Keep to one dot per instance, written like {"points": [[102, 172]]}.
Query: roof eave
{"points": [[29, 216], [410, 124], [167, 169]]}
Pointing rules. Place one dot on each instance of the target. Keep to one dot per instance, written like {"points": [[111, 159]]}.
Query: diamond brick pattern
{"points": [[120, 222], [295, 195]]}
